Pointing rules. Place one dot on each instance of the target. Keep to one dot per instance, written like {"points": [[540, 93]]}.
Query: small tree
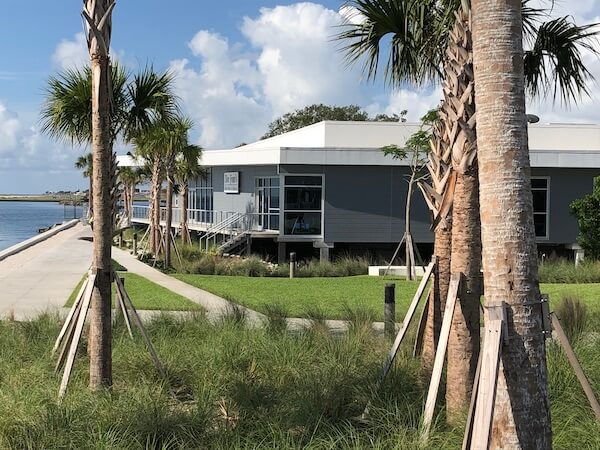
{"points": [[415, 150], [587, 211]]}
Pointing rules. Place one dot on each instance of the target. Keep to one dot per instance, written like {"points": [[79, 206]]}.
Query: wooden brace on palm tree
{"points": [[454, 146]]}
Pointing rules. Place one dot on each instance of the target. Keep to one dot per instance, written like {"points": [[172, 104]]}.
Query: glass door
{"points": [[267, 203]]}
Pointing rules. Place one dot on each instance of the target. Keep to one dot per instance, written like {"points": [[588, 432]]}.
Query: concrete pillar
{"points": [[579, 256], [281, 252], [324, 254]]}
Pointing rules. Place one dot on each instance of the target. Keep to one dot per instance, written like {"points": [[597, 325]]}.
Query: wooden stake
{"points": [[389, 361], [440, 354], [121, 303], [422, 323], [395, 254], [76, 336], [68, 339], [486, 395], [69, 316], [471, 416], [585, 384], [140, 325]]}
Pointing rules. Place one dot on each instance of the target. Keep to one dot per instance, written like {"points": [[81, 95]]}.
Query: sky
{"points": [[239, 64]]}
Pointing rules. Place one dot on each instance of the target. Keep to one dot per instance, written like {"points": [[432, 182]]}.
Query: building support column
{"points": [[324, 254], [281, 252]]}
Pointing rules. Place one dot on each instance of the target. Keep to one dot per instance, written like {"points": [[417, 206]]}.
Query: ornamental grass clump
{"points": [[573, 314]]}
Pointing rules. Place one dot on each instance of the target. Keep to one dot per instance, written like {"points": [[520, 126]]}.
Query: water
{"points": [[22, 220]]}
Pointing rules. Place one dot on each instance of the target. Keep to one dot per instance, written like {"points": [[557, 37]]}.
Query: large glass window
{"points": [[200, 199], [303, 205], [540, 190]]}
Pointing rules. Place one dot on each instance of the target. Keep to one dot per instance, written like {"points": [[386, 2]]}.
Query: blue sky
{"points": [[239, 64]]}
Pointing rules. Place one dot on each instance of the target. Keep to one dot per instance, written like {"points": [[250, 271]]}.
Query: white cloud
{"points": [[287, 61], [71, 54]]}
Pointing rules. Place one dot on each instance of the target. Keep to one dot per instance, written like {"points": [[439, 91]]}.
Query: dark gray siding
{"points": [[366, 204], [244, 201], [566, 185]]}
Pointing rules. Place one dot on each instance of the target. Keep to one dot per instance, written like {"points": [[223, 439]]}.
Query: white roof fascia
{"points": [[241, 156]]}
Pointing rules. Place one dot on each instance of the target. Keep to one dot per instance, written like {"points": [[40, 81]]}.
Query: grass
{"points": [[302, 297], [245, 389], [147, 295]]}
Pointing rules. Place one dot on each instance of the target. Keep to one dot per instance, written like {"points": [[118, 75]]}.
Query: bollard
{"points": [[389, 311], [135, 244], [292, 265]]}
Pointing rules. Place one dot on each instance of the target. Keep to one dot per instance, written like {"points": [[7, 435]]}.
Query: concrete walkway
{"points": [[41, 278], [215, 306]]}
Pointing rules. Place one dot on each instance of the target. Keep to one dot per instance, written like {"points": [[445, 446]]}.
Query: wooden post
{"points": [[486, 388], [389, 360], [140, 325], [85, 304], [440, 353], [121, 303], [70, 318], [585, 384], [135, 244], [121, 239], [421, 328], [293, 265], [389, 310]]}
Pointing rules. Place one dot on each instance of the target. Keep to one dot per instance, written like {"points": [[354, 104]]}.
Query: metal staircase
{"points": [[232, 233]]}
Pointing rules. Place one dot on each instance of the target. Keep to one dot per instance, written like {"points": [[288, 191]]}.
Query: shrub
{"points": [[563, 271], [572, 313]]}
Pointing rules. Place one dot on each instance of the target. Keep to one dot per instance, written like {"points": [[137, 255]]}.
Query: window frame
{"points": [[547, 213], [283, 186]]}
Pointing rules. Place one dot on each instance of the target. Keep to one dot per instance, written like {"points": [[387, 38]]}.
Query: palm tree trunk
{"points": [[90, 196], [155, 209], [458, 108], [169, 218], [100, 345], [464, 340], [522, 409], [185, 232], [437, 299]]}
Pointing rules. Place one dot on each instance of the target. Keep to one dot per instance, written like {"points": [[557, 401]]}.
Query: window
{"points": [[267, 202], [303, 205], [540, 190], [200, 199]]}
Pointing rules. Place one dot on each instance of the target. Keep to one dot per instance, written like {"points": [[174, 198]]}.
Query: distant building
{"points": [[329, 188]]}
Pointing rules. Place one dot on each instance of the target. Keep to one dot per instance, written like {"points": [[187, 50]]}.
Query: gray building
{"points": [[328, 187]]}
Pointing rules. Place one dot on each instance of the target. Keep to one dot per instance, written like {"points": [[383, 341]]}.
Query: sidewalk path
{"points": [[216, 307], [42, 277]]}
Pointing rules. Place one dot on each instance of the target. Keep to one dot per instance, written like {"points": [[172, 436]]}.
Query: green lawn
{"points": [[147, 295], [304, 297]]}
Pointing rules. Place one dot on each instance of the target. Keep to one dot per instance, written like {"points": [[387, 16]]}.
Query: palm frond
{"points": [[555, 65], [414, 29], [152, 100]]}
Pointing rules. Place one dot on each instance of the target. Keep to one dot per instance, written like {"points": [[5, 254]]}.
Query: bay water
{"points": [[21, 220]]}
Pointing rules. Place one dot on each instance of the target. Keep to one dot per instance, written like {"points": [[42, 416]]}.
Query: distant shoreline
{"points": [[39, 198]]}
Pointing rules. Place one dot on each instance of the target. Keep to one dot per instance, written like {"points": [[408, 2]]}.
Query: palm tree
{"points": [[522, 414], [84, 163], [99, 23], [187, 167], [165, 142], [129, 177], [432, 39], [125, 107]]}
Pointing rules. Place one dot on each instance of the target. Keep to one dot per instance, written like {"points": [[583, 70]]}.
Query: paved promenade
{"points": [[42, 277]]}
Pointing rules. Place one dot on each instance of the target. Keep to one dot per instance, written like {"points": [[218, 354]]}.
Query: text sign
{"points": [[231, 182]]}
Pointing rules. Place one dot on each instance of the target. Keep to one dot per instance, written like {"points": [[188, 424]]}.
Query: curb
{"points": [[17, 248]]}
